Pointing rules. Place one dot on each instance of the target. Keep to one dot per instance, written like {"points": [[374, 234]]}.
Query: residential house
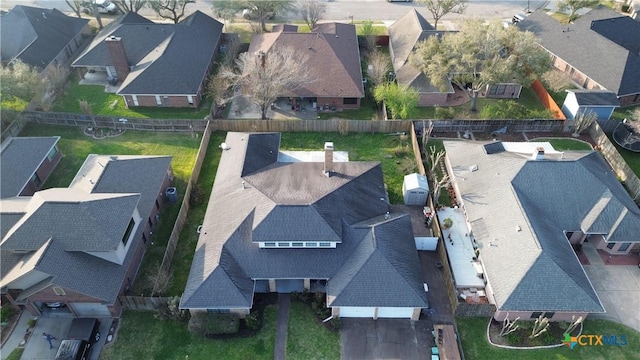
{"points": [[600, 50], [79, 248], [26, 163], [526, 206], [40, 37], [156, 64], [602, 103], [404, 36], [288, 222], [333, 57]]}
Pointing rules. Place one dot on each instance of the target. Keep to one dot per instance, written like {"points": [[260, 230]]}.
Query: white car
{"points": [[104, 7]]}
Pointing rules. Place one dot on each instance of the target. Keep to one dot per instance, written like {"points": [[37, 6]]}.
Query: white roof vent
{"points": [[224, 146], [473, 168]]}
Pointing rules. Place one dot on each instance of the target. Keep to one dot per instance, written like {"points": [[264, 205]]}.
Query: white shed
{"points": [[415, 189]]}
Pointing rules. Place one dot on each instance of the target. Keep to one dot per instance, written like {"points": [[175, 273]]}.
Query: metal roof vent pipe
{"points": [[328, 159], [538, 154]]}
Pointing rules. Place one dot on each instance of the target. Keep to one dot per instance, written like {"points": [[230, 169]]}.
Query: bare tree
{"points": [[96, 14], [368, 33], [130, 5], [583, 121], [378, 67], [426, 135], [53, 83], [266, 76], [571, 7], [434, 159], [233, 43], [159, 278], [509, 326], [76, 6], [170, 9], [539, 326], [311, 12], [219, 90], [87, 109], [439, 184], [440, 8], [226, 10], [556, 80]]}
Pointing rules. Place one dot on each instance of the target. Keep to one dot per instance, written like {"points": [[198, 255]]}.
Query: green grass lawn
{"points": [[75, 147], [632, 158], [566, 144], [475, 344], [109, 104], [362, 147], [183, 255], [307, 336], [142, 336]]}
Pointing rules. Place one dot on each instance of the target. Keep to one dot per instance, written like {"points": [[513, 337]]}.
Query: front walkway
{"points": [[282, 325], [618, 287]]}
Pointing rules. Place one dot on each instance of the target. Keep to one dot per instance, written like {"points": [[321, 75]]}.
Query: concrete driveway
{"points": [[363, 339], [618, 287]]}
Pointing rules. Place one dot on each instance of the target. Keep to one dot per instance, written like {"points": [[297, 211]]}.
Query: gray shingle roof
{"points": [[36, 35], [600, 44], [71, 222], [99, 210], [157, 53], [20, 159], [404, 36], [333, 56], [525, 206], [294, 201], [595, 97]]}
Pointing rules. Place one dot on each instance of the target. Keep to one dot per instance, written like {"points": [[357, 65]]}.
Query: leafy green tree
{"points": [[170, 9], [226, 10], [20, 80], [399, 100], [440, 8], [479, 55], [571, 7]]}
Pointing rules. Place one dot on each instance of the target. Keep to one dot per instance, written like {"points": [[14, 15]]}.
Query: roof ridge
{"points": [[569, 276]]}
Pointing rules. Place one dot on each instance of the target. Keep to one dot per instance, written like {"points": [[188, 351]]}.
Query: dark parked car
{"points": [[84, 332]]}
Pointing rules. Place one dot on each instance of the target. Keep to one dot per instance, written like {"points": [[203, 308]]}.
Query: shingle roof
{"points": [[601, 44], [404, 36], [36, 35], [294, 201], [333, 55], [528, 260], [20, 158], [595, 97], [157, 53]]}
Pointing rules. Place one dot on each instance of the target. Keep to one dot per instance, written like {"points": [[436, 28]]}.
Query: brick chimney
{"points": [[538, 154], [328, 158], [118, 56]]}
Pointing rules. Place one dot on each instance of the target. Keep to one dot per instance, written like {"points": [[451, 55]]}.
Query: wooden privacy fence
{"points": [[416, 151], [13, 129], [512, 125], [616, 161], [172, 243], [142, 302], [547, 100], [333, 125]]}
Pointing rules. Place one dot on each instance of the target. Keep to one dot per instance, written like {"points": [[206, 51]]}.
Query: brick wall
{"points": [[43, 172], [337, 102]]}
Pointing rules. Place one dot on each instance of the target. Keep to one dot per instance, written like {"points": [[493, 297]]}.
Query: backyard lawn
{"points": [[75, 146], [475, 345], [142, 336], [565, 143], [308, 338], [103, 103]]}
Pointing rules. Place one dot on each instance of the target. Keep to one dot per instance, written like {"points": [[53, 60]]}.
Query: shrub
{"points": [[169, 310], [252, 321], [625, 8], [445, 112], [513, 339], [5, 313], [206, 324], [447, 223], [197, 196], [31, 323]]}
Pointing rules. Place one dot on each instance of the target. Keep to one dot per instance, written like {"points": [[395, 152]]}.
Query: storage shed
{"points": [[415, 189]]}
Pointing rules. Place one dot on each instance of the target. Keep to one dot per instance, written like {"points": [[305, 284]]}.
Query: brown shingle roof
{"points": [[333, 53]]}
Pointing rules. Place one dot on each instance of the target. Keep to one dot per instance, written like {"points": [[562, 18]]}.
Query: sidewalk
{"points": [[16, 337], [282, 325]]}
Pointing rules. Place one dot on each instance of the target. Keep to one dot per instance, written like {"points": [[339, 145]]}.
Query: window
{"points": [[501, 89], [127, 233], [325, 244], [624, 246], [158, 100], [535, 314], [297, 244], [135, 100], [269, 244], [52, 153], [549, 315], [58, 291], [311, 244], [611, 245], [350, 101], [36, 179], [283, 244], [492, 89], [190, 99]]}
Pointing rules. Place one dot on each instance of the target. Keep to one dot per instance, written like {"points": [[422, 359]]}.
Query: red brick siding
{"points": [[43, 172], [47, 295], [337, 102], [628, 100], [174, 101]]}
